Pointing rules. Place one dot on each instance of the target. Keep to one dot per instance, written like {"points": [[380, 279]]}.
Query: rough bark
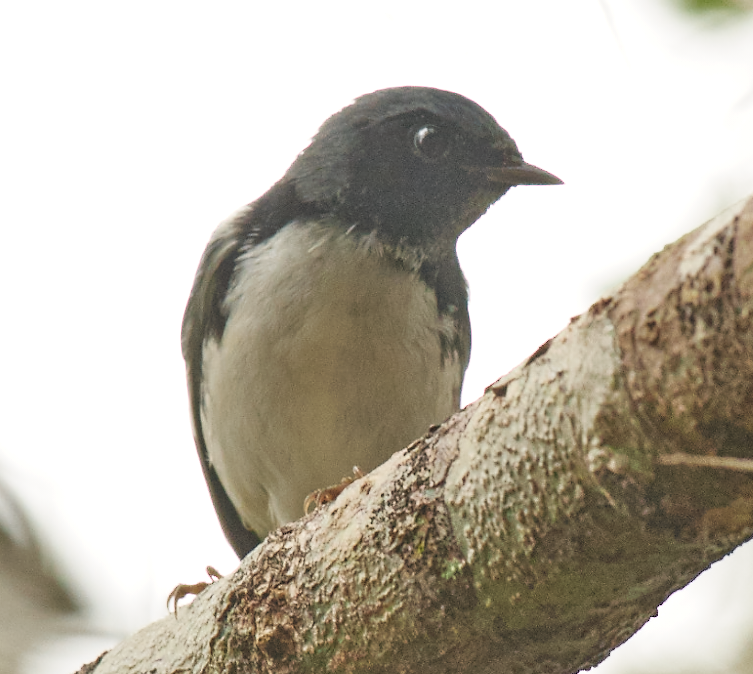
{"points": [[538, 528]]}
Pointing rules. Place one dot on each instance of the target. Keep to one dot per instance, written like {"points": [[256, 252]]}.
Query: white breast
{"points": [[330, 358]]}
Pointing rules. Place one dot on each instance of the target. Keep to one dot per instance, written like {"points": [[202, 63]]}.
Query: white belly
{"points": [[330, 358]]}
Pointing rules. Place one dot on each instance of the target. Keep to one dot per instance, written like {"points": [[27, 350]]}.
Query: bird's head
{"points": [[415, 165]]}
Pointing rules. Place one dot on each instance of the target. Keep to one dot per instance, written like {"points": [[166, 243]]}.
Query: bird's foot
{"points": [[321, 496], [183, 590]]}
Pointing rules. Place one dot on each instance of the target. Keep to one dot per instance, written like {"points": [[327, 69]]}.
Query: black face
{"points": [[412, 180], [409, 163]]}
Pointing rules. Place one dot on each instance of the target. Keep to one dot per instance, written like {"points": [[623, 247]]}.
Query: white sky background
{"points": [[129, 130]]}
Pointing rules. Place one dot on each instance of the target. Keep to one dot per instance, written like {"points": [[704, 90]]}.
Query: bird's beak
{"points": [[520, 174]]}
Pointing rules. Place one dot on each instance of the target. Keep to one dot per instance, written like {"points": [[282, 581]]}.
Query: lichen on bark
{"points": [[537, 529]]}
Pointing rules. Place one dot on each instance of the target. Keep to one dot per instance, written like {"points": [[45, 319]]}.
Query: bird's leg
{"points": [[182, 590], [322, 496]]}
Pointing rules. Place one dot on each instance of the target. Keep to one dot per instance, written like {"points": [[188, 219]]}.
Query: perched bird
{"points": [[328, 322]]}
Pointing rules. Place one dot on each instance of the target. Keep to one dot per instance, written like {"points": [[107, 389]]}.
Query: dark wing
{"points": [[204, 319], [206, 315], [447, 280]]}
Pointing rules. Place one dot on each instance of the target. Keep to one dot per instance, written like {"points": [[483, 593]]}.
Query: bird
{"points": [[328, 322]]}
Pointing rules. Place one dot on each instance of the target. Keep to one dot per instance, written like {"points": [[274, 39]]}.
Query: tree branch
{"points": [[537, 529]]}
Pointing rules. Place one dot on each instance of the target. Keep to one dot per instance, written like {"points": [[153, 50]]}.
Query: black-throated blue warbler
{"points": [[328, 322]]}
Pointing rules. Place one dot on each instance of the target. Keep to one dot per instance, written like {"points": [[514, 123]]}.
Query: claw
{"points": [[321, 496], [182, 590]]}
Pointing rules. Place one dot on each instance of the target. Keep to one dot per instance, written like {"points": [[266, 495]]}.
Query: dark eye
{"points": [[431, 142]]}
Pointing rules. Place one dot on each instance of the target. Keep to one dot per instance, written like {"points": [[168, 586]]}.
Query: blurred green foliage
{"points": [[707, 6]]}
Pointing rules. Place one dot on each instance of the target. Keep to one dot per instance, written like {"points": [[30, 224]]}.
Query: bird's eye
{"points": [[431, 142]]}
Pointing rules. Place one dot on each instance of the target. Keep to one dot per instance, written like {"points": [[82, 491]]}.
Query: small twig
{"points": [[728, 462]]}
